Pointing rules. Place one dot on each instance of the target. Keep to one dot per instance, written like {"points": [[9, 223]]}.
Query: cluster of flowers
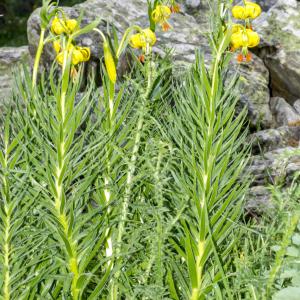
{"points": [[68, 26], [243, 36], [147, 38], [144, 39]]}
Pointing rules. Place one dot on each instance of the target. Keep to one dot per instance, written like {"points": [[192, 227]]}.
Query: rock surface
{"points": [[271, 139], [283, 112], [255, 92], [275, 167], [280, 32], [9, 59]]}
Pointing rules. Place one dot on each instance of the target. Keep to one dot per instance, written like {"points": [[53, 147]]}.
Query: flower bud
{"points": [[109, 63]]}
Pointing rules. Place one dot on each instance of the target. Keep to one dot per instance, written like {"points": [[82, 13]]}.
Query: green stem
{"points": [[59, 183], [38, 57], [130, 175], [200, 264], [158, 244]]}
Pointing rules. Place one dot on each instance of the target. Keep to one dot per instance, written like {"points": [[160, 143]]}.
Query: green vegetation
{"points": [[136, 189]]}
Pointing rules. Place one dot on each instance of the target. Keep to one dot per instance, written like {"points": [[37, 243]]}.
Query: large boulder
{"points": [[185, 37], [9, 59]]}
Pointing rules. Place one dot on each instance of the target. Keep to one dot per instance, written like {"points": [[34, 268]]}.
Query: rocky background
{"points": [[270, 83]]}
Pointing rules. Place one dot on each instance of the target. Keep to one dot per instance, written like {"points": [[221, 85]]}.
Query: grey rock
{"points": [[258, 200], [193, 3], [283, 112], [275, 167], [254, 91], [272, 139], [280, 32], [266, 4], [10, 57], [297, 106]]}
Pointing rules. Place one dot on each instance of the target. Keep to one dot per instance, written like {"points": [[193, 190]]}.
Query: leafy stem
{"points": [[58, 175], [131, 169]]}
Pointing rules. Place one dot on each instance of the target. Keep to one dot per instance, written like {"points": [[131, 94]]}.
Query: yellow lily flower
{"points": [[72, 25], [142, 39], [246, 38], [252, 10], [79, 54], [58, 26], [249, 11], [86, 53], [160, 15]]}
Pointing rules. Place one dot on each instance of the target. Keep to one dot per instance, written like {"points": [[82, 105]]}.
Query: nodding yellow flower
{"points": [[72, 25], [249, 11], [86, 53], [79, 54], [244, 38], [142, 39], [160, 15], [109, 63], [147, 37], [57, 46], [253, 10], [253, 38], [58, 26]]}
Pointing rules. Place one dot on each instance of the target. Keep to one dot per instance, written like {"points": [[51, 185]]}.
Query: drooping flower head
{"points": [[78, 54], [160, 15], [249, 11], [143, 39], [60, 26], [243, 38]]}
